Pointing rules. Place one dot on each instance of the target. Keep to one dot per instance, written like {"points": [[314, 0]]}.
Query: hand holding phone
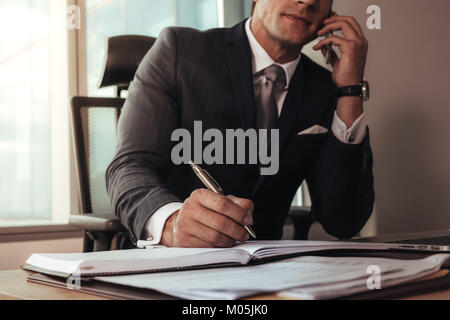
{"points": [[348, 67]]}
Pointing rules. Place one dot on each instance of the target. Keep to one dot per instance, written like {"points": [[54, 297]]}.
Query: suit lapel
{"points": [[239, 60], [293, 105]]}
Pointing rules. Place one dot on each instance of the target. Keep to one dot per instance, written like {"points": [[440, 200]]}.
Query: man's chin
{"points": [[294, 38], [293, 41]]}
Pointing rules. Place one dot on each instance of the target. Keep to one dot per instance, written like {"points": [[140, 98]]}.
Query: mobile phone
{"points": [[330, 46]]}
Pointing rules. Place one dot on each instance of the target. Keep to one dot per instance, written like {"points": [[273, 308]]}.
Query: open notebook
{"points": [[171, 259]]}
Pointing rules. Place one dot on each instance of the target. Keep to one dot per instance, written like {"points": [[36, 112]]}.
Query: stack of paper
{"points": [[409, 271], [302, 277]]}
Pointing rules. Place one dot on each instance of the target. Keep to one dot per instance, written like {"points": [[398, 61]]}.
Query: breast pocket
{"points": [[312, 140]]}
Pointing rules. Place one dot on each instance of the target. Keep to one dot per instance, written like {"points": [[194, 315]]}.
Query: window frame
{"points": [[36, 233]]}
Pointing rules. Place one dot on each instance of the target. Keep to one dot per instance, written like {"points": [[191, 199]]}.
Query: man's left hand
{"points": [[348, 70]]}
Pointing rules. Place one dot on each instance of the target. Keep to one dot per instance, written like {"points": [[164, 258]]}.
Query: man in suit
{"points": [[251, 76]]}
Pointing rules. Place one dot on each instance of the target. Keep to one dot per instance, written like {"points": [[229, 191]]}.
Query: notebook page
{"points": [[135, 260], [264, 249], [162, 258]]}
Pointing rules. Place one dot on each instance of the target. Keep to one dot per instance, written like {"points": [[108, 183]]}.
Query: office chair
{"points": [[94, 122], [302, 220]]}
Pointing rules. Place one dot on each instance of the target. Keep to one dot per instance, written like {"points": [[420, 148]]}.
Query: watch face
{"points": [[365, 90]]}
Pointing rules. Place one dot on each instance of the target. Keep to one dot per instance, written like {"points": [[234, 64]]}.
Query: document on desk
{"points": [[410, 272], [165, 259], [305, 277]]}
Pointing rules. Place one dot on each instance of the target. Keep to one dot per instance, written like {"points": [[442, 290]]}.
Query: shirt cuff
{"points": [[354, 135], [155, 225]]}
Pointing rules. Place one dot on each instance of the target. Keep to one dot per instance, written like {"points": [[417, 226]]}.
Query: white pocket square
{"points": [[314, 130]]}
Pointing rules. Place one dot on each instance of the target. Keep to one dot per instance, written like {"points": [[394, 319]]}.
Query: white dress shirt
{"points": [[260, 61]]}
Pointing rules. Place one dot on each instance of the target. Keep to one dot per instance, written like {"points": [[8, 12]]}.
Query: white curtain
{"points": [[25, 180]]}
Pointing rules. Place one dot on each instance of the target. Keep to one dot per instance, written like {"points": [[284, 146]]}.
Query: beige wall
{"points": [[409, 71], [14, 254]]}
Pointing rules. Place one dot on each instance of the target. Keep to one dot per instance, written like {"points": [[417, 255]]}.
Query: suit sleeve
{"points": [[135, 179], [341, 186]]}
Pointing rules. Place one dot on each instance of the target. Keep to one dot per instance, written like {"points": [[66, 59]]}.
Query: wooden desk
{"points": [[14, 286]]}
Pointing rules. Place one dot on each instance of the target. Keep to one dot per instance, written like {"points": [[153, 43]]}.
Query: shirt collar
{"points": [[262, 60]]}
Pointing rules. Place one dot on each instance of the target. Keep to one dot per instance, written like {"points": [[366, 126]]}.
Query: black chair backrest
{"points": [[94, 123], [123, 56]]}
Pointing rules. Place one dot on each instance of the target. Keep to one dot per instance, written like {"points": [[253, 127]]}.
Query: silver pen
{"points": [[213, 186]]}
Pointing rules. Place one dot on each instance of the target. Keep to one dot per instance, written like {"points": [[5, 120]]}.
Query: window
{"points": [[25, 184], [107, 18], [28, 109]]}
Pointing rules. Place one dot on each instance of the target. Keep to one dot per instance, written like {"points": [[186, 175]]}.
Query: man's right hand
{"points": [[209, 220]]}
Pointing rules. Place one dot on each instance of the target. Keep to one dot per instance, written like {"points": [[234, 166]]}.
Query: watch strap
{"points": [[352, 91]]}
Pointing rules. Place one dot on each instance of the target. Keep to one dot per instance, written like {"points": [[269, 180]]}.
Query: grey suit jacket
{"points": [[190, 76]]}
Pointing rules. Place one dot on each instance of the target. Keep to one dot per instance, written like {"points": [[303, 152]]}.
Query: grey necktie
{"points": [[266, 101], [270, 90]]}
